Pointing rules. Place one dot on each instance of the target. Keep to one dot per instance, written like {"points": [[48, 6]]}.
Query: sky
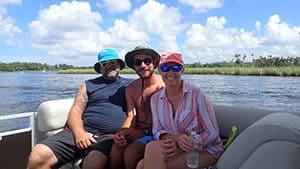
{"points": [[205, 31]]}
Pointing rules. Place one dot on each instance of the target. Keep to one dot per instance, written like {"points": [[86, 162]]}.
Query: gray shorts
{"points": [[65, 150]]}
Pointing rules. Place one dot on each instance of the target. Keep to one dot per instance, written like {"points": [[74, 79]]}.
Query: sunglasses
{"points": [[175, 68], [138, 62], [108, 62]]}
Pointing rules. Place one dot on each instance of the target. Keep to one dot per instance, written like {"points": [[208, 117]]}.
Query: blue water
{"points": [[23, 92]]}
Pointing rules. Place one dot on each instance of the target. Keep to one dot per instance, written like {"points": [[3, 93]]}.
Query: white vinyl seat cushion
{"points": [[52, 115]]}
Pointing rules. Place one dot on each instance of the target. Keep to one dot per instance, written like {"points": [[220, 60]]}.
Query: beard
{"points": [[112, 75], [145, 75]]}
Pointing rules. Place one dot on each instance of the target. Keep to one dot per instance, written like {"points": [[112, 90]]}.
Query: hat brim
{"points": [[171, 60], [97, 66], [129, 56]]}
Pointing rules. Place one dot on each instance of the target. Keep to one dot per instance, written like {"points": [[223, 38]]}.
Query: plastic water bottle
{"points": [[192, 160]]}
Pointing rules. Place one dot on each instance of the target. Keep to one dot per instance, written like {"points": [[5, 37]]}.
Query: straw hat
{"points": [[142, 49]]}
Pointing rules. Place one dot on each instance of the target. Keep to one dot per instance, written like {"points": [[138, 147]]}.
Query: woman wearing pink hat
{"points": [[177, 110]]}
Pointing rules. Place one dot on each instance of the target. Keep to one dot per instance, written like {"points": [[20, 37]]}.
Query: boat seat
{"points": [[242, 118], [272, 142], [259, 139], [51, 118]]}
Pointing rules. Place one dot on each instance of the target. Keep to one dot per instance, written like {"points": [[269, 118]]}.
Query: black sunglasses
{"points": [[175, 68], [108, 62], [138, 62]]}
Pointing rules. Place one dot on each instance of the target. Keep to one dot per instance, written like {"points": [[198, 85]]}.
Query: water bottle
{"points": [[192, 160]]}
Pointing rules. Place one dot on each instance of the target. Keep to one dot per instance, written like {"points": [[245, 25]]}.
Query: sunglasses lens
{"points": [[165, 68], [103, 64], [113, 62], [147, 61], [176, 68], [108, 62], [137, 62]]}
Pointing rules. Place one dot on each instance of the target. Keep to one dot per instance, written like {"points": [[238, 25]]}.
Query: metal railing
{"points": [[16, 131]]}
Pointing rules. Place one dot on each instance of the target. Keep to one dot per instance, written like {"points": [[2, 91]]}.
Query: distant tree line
{"points": [[25, 66], [239, 61]]}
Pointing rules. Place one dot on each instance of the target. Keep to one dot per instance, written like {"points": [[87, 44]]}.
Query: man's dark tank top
{"points": [[106, 108]]}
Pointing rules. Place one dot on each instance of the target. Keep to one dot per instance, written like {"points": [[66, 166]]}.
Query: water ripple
{"points": [[24, 92]]}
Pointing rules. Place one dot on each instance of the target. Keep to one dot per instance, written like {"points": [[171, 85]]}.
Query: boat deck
{"points": [[15, 145], [14, 150]]}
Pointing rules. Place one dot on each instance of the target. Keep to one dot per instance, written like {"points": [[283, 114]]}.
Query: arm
{"points": [[157, 128], [207, 122], [131, 113], [127, 133], [207, 129], [75, 123]]}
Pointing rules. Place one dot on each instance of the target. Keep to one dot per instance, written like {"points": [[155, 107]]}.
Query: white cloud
{"points": [[158, 20], [8, 28], [214, 42], [258, 26], [210, 42], [68, 29], [151, 20], [126, 35], [278, 32], [115, 6], [71, 29], [202, 5], [280, 39]]}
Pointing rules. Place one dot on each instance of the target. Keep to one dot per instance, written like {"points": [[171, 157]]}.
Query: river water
{"points": [[23, 92]]}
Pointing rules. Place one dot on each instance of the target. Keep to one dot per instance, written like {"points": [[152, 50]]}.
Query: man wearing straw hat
{"points": [[136, 131]]}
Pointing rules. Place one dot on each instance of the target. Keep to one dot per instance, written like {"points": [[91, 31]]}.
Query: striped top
{"points": [[194, 113]]}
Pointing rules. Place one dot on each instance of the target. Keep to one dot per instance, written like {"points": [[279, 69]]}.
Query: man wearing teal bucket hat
{"points": [[98, 112]]}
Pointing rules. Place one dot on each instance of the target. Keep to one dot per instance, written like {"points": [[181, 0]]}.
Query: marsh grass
{"points": [[244, 71], [253, 71]]}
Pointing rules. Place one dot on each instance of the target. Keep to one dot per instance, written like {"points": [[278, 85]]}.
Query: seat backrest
{"points": [[51, 117], [228, 116], [271, 142]]}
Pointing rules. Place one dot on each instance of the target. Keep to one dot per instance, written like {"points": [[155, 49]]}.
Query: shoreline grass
{"points": [[243, 71]]}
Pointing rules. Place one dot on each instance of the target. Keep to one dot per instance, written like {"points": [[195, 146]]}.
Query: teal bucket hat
{"points": [[108, 54]]}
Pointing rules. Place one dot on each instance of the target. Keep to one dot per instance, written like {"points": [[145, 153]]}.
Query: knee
{"points": [[38, 153], [153, 145], [95, 159], [39, 156], [135, 148], [140, 165], [153, 149], [132, 152]]}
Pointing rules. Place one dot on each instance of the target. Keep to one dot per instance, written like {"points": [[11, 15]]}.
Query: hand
{"points": [[171, 149], [185, 142], [132, 133], [83, 139], [119, 139]]}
